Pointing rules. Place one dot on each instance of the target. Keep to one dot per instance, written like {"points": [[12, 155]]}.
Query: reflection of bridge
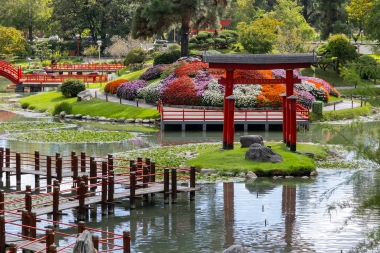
{"points": [[39, 81]]}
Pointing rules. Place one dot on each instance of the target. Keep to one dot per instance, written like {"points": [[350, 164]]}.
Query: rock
{"points": [[84, 243], [69, 116], [248, 140], [146, 121], [242, 175], [229, 174], [207, 171], [308, 154], [62, 114], [313, 173], [102, 118], [289, 177], [84, 95], [152, 120], [129, 121], [333, 152], [235, 249], [138, 120], [259, 153], [305, 177], [250, 174], [78, 116], [122, 119]]}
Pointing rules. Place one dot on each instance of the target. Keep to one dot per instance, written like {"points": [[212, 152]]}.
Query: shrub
{"points": [[63, 107], [317, 107], [112, 86], [129, 90], [70, 88], [152, 73], [191, 69], [167, 57], [181, 92], [366, 67], [24, 105], [150, 93], [135, 56]]}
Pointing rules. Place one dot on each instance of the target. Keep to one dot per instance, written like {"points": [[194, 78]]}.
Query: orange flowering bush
{"points": [[112, 86], [270, 95], [190, 69]]}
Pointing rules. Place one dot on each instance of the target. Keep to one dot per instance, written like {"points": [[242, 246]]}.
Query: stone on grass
{"points": [[259, 153], [251, 174], [102, 118], [247, 140], [84, 95], [129, 121], [138, 120], [62, 114], [84, 243], [207, 171], [235, 249]]}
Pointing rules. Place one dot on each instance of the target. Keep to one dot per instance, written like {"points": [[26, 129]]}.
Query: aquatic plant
{"points": [[32, 125]]}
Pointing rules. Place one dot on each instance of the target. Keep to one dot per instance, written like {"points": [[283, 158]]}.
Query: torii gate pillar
{"points": [[290, 124], [229, 107]]}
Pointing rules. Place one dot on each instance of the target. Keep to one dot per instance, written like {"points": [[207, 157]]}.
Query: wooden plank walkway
{"points": [[156, 188], [35, 247]]}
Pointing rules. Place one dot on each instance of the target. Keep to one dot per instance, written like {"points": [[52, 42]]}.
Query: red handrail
{"points": [[50, 78], [85, 67]]}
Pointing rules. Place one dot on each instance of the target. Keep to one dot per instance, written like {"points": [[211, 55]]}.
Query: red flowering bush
{"points": [[248, 74], [270, 95], [217, 73], [190, 69], [112, 86], [181, 92]]}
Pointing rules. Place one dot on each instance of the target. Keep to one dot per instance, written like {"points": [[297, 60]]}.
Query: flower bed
{"points": [[111, 87]]}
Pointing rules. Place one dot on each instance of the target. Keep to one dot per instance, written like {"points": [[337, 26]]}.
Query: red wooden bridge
{"points": [[90, 67], [183, 117], [96, 180]]}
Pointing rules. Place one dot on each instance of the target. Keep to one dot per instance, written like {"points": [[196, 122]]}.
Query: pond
{"points": [[319, 214]]}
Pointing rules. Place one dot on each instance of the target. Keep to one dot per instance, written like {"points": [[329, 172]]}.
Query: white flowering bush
{"points": [[212, 94], [246, 95], [319, 94], [150, 93]]}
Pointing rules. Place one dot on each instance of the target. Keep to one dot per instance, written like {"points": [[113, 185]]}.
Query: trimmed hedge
{"points": [[167, 57]]}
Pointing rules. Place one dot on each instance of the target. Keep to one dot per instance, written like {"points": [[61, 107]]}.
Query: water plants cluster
{"points": [[83, 136], [194, 83], [33, 125]]}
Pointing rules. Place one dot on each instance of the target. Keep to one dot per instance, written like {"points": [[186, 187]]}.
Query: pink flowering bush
{"points": [[129, 90]]}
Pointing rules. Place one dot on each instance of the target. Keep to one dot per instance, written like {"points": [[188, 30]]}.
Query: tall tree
{"points": [[157, 16], [372, 25], [11, 41], [26, 15], [333, 13], [358, 10]]}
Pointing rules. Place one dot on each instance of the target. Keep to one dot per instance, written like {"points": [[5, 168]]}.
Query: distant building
{"points": [[223, 25]]}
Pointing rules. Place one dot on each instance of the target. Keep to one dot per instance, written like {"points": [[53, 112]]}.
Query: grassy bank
{"points": [[233, 160], [342, 114], [95, 107]]}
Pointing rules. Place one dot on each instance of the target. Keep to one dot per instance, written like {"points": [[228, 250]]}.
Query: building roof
{"points": [[260, 58]]}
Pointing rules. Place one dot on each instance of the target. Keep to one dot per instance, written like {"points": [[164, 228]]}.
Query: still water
{"points": [[266, 215]]}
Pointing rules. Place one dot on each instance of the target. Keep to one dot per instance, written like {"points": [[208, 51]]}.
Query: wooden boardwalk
{"points": [[34, 247]]}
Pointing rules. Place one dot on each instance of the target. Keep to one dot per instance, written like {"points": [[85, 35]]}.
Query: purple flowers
{"points": [[305, 98], [201, 80], [152, 73], [166, 82], [128, 90]]}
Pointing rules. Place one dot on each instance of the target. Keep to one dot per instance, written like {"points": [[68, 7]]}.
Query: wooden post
{"points": [[166, 186], [36, 164], [48, 170], [152, 174], [139, 165], [93, 173], [132, 190], [361, 100], [72, 159], [53, 248], [111, 185], [95, 241], [192, 182], [58, 168], [83, 162], [7, 158], [28, 188], [133, 168], [74, 167], [104, 169], [33, 224], [145, 180], [1, 162], [81, 227], [18, 168], [174, 186], [110, 162], [28, 201], [131, 162], [2, 200], [55, 204], [2, 234], [352, 104], [126, 242], [24, 224], [104, 195], [82, 195], [49, 239]]}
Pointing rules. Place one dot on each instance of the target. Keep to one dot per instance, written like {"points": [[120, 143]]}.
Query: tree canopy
{"points": [[11, 41], [156, 16]]}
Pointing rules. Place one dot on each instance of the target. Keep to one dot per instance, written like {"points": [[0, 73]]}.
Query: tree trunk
{"points": [[30, 28], [185, 36]]}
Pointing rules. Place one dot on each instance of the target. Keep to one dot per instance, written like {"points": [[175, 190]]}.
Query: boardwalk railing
{"points": [[51, 78], [218, 115], [86, 67]]}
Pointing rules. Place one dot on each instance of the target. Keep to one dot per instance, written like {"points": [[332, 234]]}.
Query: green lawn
{"points": [[95, 107], [233, 160]]}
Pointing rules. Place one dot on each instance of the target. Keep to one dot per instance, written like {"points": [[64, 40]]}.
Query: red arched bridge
{"points": [[41, 80]]}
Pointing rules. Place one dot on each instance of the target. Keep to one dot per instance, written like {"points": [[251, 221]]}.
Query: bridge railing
{"points": [[86, 67], [51, 78]]}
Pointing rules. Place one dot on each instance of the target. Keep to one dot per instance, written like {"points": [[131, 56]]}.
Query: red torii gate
{"points": [[289, 62]]}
